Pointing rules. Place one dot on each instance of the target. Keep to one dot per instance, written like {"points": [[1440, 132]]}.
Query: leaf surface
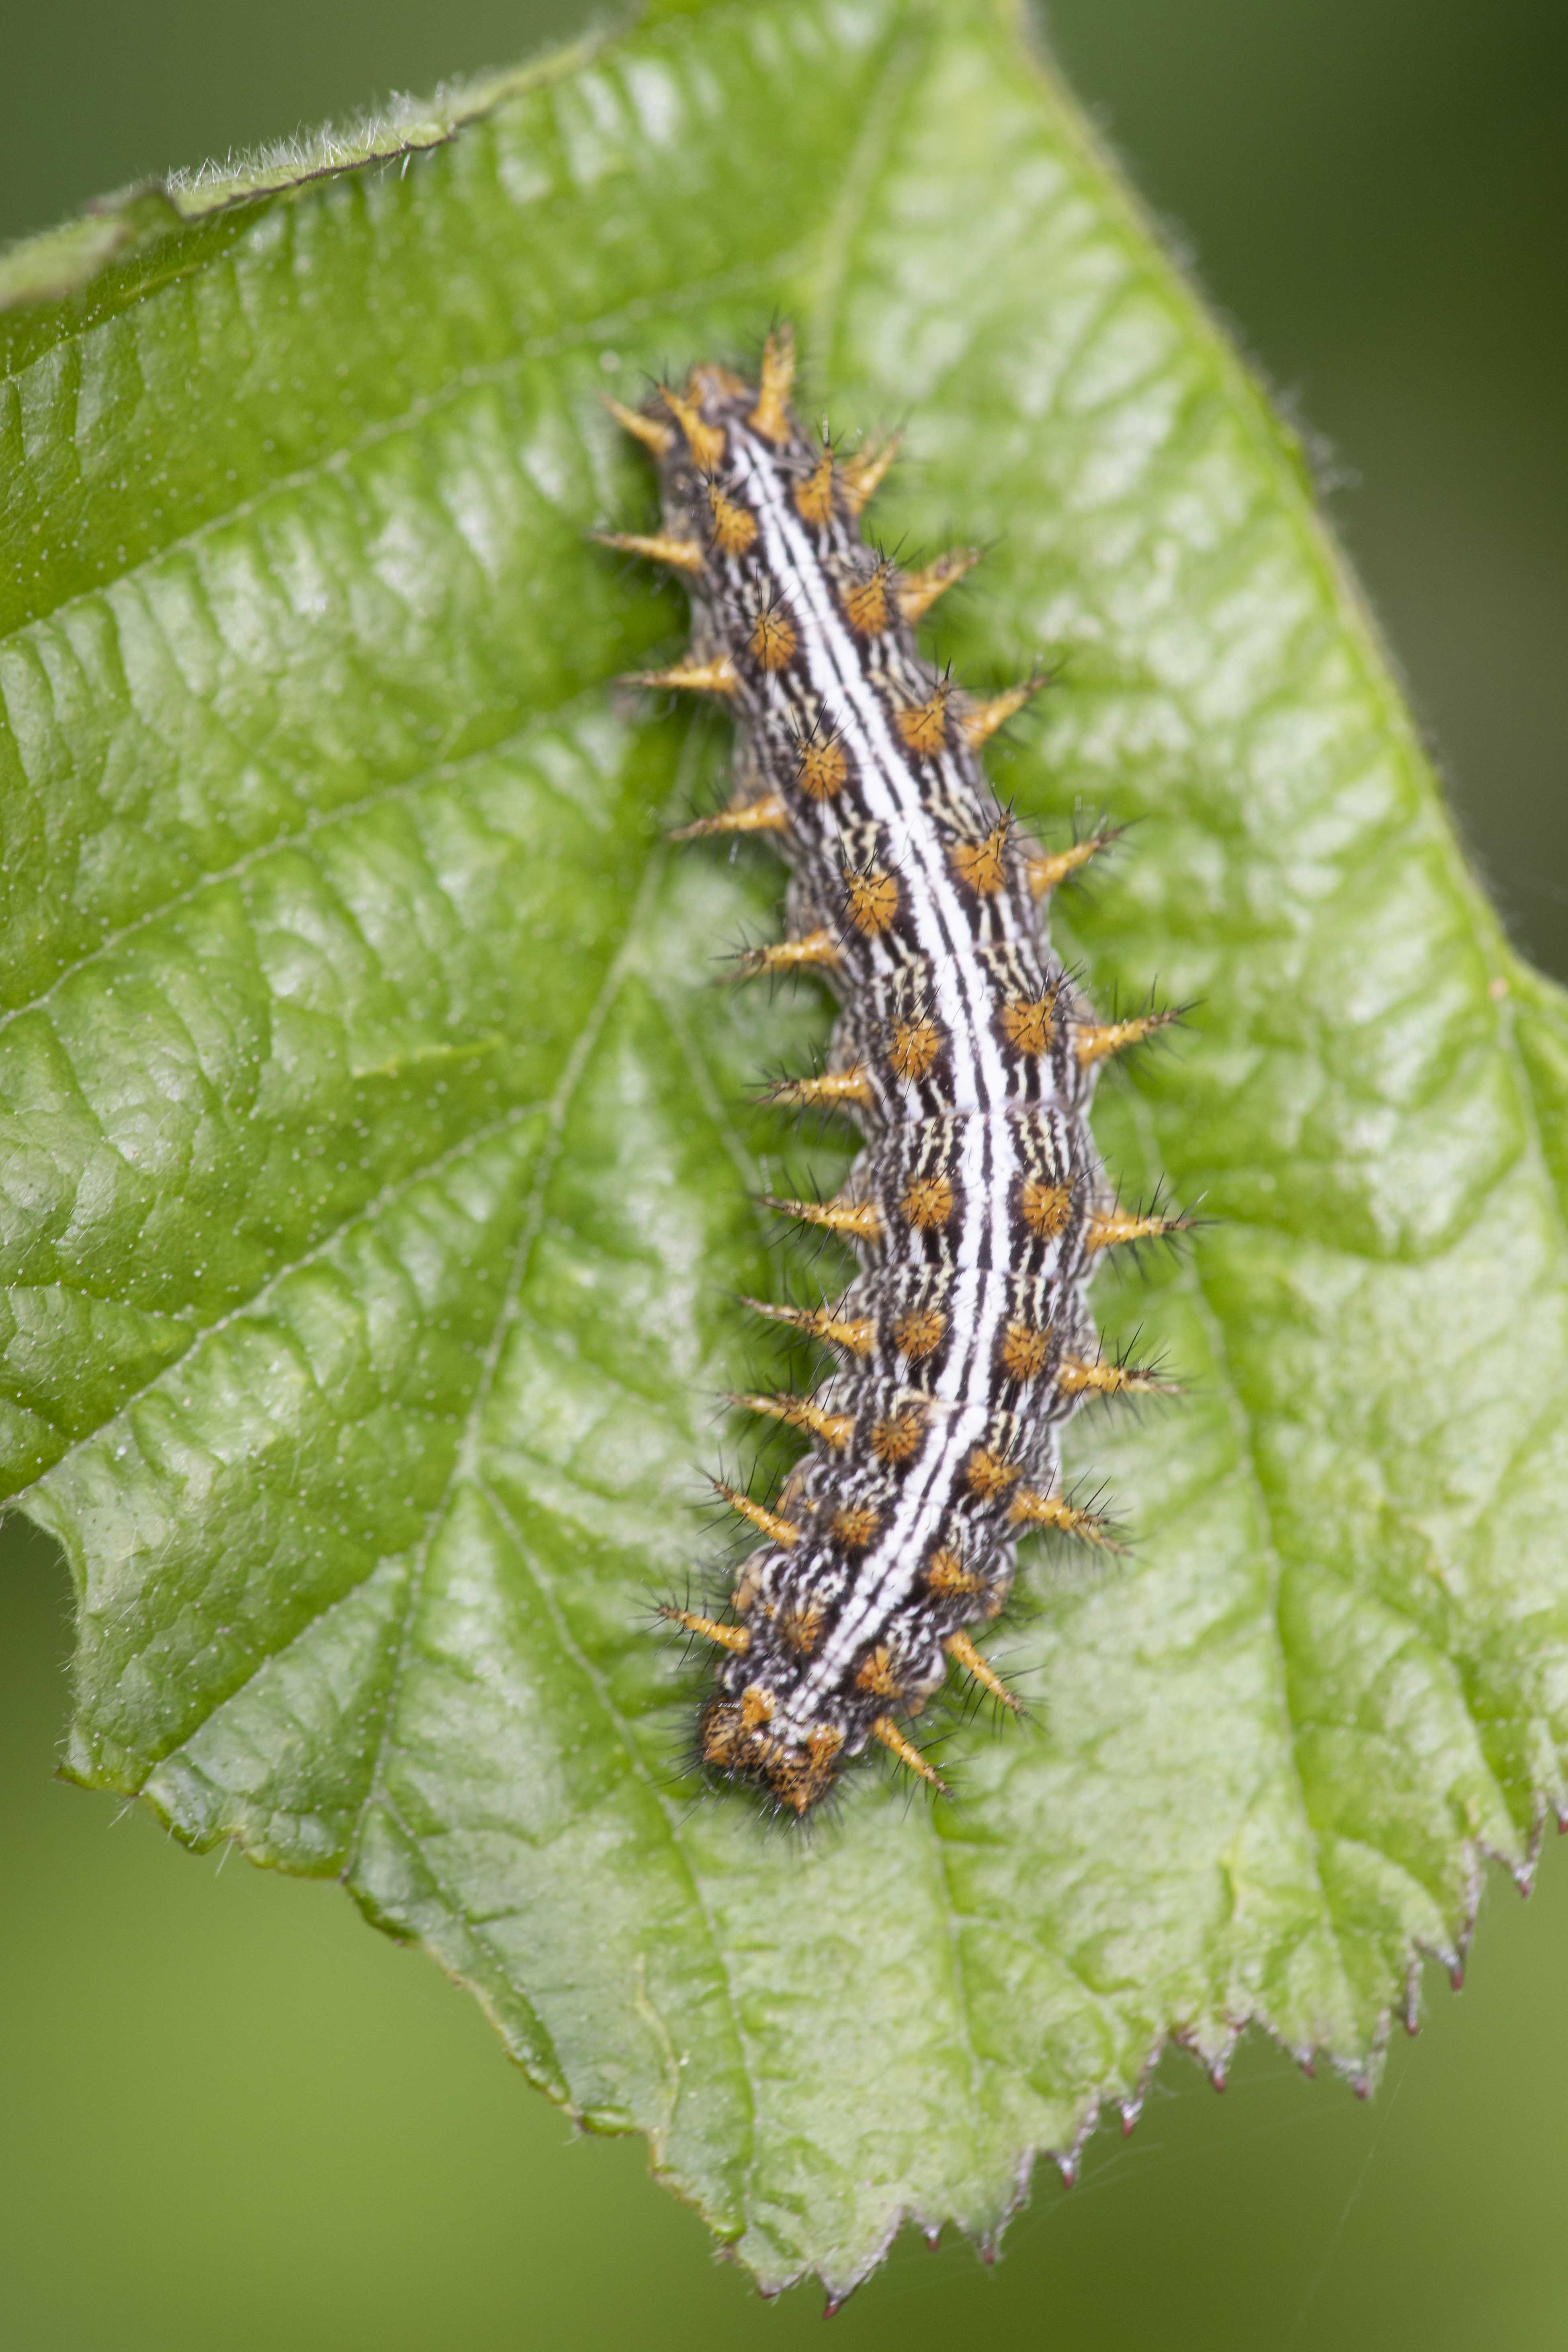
{"points": [[377, 1172]]}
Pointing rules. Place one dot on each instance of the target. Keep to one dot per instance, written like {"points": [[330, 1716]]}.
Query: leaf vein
{"points": [[251, 1309]]}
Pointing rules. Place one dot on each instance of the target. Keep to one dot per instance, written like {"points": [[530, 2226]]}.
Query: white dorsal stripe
{"points": [[891, 793]]}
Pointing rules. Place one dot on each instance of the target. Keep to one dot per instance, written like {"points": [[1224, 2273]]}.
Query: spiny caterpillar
{"points": [[963, 1053]]}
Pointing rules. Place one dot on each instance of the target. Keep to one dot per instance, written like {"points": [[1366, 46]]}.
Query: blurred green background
{"points": [[231, 2116]]}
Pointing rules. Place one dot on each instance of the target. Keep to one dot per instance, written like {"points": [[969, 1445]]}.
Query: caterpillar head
{"points": [[797, 1767]]}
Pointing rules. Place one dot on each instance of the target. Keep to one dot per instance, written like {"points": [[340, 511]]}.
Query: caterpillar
{"points": [[964, 1052]]}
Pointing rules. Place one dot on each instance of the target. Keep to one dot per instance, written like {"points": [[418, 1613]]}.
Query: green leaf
{"points": [[377, 1175]]}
